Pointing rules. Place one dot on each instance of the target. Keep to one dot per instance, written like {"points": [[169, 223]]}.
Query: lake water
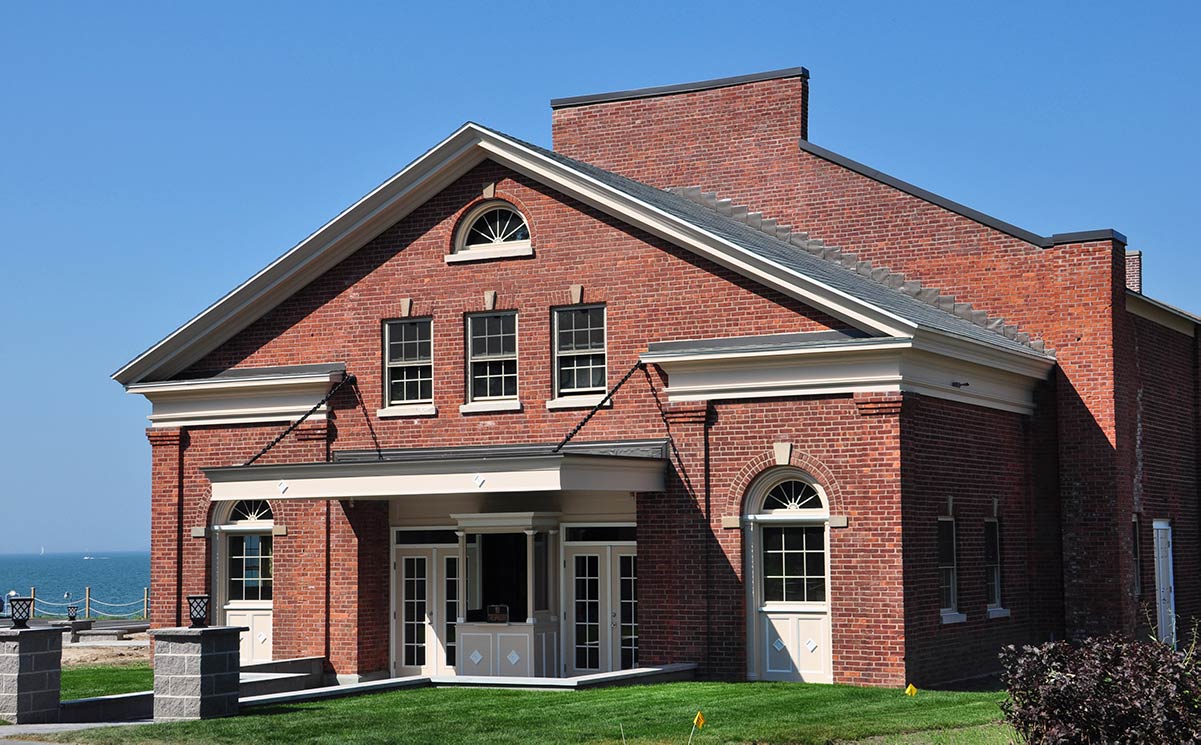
{"points": [[115, 577]]}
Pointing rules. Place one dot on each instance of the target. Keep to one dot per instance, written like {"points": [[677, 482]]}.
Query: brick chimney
{"points": [[736, 136], [1134, 270]]}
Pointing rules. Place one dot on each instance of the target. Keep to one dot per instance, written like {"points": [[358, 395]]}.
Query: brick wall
{"points": [[1166, 462], [982, 460], [1069, 295], [739, 141]]}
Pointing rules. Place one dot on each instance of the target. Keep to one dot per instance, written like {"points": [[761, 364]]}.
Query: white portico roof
{"points": [[522, 471]]}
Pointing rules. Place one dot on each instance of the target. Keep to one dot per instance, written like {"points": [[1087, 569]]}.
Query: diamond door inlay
{"points": [[513, 657], [779, 645], [475, 657]]}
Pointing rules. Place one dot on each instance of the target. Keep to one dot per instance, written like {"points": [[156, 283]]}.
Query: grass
{"points": [[735, 713], [104, 680]]}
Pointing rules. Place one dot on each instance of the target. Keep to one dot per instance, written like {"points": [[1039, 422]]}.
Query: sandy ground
{"points": [[75, 655]]}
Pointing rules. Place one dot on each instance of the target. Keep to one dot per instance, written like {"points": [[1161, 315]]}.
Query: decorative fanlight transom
{"points": [[497, 225], [792, 495], [251, 510]]}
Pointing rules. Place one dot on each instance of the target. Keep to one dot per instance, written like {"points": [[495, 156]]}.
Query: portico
{"points": [[509, 561]]}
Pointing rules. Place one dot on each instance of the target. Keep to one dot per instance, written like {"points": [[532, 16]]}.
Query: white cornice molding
{"points": [[425, 177], [316, 254], [859, 367], [438, 477], [273, 398]]}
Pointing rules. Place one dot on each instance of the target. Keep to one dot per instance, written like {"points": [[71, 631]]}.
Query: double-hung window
{"points": [[492, 356], [408, 355], [948, 572], [992, 563], [580, 350]]}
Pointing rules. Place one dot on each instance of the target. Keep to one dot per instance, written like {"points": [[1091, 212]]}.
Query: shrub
{"points": [[1103, 690]]}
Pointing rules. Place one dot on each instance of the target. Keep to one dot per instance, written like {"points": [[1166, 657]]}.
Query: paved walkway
{"points": [[9, 731]]}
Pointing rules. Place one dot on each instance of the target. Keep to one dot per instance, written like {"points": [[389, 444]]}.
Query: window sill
{"points": [[481, 407], [948, 618], [407, 410], [998, 613], [485, 254], [586, 401]]}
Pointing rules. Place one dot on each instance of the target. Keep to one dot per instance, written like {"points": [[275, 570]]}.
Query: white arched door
{"points": [[245, 566], [787, 550]]}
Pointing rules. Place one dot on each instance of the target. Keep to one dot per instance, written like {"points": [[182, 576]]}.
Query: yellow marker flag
{"points": [[910, 690], [699, 721]]}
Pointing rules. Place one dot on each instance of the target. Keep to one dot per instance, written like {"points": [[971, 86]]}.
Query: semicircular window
{"points": [[792, 495], [250, 510], [496, 226]]}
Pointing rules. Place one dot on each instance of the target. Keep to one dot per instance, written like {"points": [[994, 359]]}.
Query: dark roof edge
{"points": [[960, 209], [666, 90]]}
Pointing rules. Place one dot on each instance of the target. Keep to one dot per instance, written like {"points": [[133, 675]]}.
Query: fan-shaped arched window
{"points": [[792, 495], [492, 230], [250, 510]]}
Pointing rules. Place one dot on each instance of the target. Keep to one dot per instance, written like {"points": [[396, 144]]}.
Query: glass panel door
{"points": [[414, 610], [586, 608], [625, 616]]}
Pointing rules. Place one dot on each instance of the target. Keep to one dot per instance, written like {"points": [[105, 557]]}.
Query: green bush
{"points": [[1103, 690]]}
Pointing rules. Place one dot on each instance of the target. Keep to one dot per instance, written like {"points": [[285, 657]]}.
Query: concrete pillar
{"points": [[196, 672], [30, 667]]}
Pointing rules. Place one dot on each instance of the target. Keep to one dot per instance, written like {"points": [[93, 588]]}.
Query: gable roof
{"points": [[836, 290]]}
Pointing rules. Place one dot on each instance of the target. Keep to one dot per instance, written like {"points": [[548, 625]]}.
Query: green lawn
{"points": [[736, 713], [104, 680]]}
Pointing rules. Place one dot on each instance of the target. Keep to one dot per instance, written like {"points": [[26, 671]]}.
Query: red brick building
{"points": [[860, 433]]}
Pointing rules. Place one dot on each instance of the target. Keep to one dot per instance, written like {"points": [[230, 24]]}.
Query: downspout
{"points": [[709, 538]]}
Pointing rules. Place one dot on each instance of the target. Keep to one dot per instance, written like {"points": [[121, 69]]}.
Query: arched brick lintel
{"points": [[760, 464]]}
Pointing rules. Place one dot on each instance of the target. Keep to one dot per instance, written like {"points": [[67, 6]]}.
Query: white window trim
{"points": [[462, 253], [490, 404], [585, 393], [582, 401], [506, 403], [510, 250], [400, 409], [405, 410]]}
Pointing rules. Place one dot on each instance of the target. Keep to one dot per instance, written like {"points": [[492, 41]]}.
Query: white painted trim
{"points": [[925, 365], [425, 177], [586, 401], [407, 410], [278, 398], [952, 617], [491, 405], [505, 522], [383, 480], [508, 250], [1162, 313]]}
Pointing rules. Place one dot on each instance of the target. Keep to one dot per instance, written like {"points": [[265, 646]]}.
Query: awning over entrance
{"points": [[615, 467]]}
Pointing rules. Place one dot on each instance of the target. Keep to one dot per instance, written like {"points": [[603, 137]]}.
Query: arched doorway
{"points": [[786, 541], [244, 558]]}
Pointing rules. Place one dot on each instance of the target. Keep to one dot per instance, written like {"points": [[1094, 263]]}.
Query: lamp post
{"points": [[72, 610]]}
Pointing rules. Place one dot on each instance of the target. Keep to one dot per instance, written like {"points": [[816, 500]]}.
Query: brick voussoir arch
{"points": [[760, 464], [498, 195]]}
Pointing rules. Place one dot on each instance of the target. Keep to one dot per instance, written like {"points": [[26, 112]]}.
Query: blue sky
{"points": [[154, 155]]}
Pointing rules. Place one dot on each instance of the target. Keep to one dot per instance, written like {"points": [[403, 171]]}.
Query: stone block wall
{"points": [[30, 665], [196, 672]]}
